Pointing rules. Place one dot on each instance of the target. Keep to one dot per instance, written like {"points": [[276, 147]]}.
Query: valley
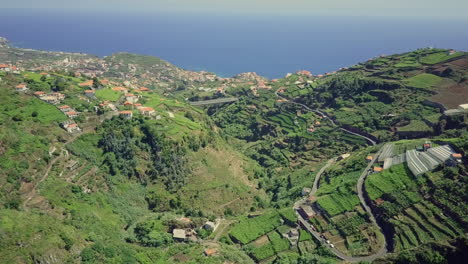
{"points": [[130, 159]]}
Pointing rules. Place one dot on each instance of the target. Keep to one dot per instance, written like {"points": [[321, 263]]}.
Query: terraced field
{"points": [[421, 223]]}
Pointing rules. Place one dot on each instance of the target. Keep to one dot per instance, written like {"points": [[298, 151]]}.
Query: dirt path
{"points": [[33, 192], [221, 228], [228, 203]]}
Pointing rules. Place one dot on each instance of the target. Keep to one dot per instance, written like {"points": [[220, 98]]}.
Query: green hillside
{"points": [[111, 177]]}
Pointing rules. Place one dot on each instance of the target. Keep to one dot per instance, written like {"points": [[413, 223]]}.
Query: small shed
{"points": [[210, 251], [179, 234]]}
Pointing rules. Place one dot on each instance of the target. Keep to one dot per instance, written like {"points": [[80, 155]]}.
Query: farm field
{"points": [[439, 57], [423, 80], [396, 178], [415, 126], [107, 94]]}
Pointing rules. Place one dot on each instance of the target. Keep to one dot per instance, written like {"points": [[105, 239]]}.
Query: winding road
{"points": [[323, 115], [360, 188]]}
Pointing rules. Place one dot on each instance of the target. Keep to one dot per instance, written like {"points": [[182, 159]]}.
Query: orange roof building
{"points": [[2, 66], [119, 89], [369, 158], [378, 169], [64, 107], [210, 251], [39, 93], [87, 83], [143, 89], [456, 155]]}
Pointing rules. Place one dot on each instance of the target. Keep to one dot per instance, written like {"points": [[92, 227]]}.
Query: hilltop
{"points": [[108, 160]]}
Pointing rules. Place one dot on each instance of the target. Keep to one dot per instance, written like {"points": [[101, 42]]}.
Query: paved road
{"points": [[316, 181], [215, 101], [323, 115], [305, 223]]}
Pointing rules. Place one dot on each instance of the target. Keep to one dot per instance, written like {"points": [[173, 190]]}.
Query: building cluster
{"points": [[51, 98], [9, 68], [70, 126]]}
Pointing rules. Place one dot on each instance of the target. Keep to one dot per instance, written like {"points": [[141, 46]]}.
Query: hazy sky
{"points": [[408, 8]]}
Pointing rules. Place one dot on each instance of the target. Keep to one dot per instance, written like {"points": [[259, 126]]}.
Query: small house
{"points": [[378, 169], [59, 96], [147, 111], [210, 251], [179, 235], [88, 83], [369, 158], [39, 93], [131, 98], [306, 211], [21, 87], [64, 108], [50, 99], [73, 128], [119, 89], [144, 89], [126, 114], [72, 114], [457, 157]]}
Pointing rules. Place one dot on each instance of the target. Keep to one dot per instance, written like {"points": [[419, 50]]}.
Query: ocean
{"points": [[272, 46]]}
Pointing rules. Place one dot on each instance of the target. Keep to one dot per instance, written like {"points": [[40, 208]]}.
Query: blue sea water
{"points": [[227, 45]]}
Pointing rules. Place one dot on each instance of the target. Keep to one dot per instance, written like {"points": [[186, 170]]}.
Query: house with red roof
{"points": [[72, 114], [65, 108], [147, 111], [39, 93], [88, 83], [21, 87], [126, 114], [90, 93], [119, 89], [131, 98]]}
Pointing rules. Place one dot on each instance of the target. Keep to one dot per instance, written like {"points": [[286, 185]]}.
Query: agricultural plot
{"points": [[415, 126], [407, 64], [439, 57], [338, 203], [423, 80], [248, 230], [289, 122], [263, 252], [396, 178], [108, 95], [288, 215], [279, 244]]}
